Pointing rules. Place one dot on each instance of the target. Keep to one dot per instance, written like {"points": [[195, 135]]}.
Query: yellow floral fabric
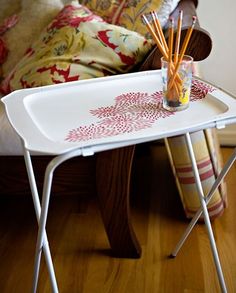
{"points": [[77, 45], [126, 13]]}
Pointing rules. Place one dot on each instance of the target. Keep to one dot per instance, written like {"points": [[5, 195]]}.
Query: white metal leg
{"points": [[42, 225], [198, 214], [44, 212], [37, 208], [205, 213]]}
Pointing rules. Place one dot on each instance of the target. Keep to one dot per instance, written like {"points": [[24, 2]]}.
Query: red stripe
{"points": [[191, 180], [213, 214], [199, 165], [217, 206], [212, 211]]}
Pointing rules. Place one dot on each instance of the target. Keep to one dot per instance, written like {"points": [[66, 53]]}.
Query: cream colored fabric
{"points": [[77, 45], [33, 17], [128, 13]]}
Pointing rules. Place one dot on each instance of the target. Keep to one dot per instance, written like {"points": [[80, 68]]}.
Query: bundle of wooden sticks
{"points": [[171, 53]]}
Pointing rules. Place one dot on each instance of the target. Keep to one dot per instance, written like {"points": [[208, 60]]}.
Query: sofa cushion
{"points": [[76, 45], [34, 16], [128, 13]]}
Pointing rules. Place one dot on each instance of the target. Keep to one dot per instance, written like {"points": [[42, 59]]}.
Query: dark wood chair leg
{"points": [[113, 187]]}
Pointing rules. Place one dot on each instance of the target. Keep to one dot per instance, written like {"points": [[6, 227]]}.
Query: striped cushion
{"points": [[209, 162]]}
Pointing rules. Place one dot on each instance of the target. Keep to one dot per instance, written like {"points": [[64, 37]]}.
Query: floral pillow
{"points": [[127, 13], [77, 45], [33, 16]]}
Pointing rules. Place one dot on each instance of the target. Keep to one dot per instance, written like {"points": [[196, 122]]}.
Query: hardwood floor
{"points": [[80, 247]]}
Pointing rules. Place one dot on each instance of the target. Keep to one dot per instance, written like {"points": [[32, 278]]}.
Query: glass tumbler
{"points": [[176, 83]]}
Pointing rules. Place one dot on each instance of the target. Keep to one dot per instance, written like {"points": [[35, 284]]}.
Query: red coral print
{"points": [[92, 131], [107, 111], [126, 123], [132, 112], [130, 98], [200, 89]]}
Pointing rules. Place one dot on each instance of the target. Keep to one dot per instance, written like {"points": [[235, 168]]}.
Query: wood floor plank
{"points": [[80, 247]]}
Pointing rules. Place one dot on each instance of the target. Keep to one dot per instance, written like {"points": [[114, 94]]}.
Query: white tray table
{"points": [[85, 117]]}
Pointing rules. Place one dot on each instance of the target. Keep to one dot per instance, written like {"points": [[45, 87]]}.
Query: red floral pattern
{"points": [[68, 17], [7, 24], [3, 51], [103, 36], [131, 112], [77, 45], [127, 13]]}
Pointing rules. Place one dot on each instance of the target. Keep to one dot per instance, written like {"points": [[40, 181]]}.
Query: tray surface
{"points": [[112, 110]]}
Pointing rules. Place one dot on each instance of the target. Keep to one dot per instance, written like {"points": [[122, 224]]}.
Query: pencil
{"points": [[163, 51], [177, 86], [157, 23], [178, 36], [157, 29], [155, 37], [170, 41], [183, 49]]}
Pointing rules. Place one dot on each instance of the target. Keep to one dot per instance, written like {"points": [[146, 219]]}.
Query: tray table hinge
{"points": [[87, 151], [220, 124]]}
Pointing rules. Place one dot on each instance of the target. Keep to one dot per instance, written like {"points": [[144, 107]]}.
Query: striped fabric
{"points": [[209, 162]]}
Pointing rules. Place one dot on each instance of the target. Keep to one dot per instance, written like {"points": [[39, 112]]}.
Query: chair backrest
{"points": [[200, 44]]}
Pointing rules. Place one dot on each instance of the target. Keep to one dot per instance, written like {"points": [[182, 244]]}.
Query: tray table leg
{"points": [[42, 224], [37, 208], [205, 213], [198, 214], [53, 164]]}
